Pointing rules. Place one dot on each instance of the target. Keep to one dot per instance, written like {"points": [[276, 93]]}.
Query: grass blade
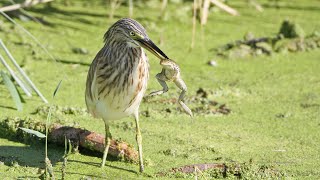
{"points": [[57, 89], [33, 132], [13, 90], [24, 75]]}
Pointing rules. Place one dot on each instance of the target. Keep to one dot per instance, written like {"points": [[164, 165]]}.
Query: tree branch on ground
{"points": [[83, 138]]}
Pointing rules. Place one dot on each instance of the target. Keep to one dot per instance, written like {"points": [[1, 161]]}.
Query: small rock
{"points": [[240, 52], [258, 52], [213, 63], [265, 46], [248, 36], [311, 44], [283, 115], [80, 50]]}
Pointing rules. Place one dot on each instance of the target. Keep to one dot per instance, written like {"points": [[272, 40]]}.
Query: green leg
{"points": [[139, 140], [107, 144], [162, 83], [183, 105]]}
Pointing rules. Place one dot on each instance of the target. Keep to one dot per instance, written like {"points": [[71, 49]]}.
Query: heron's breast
{"points": [[138, 83], [118, 84], [124, 84]]}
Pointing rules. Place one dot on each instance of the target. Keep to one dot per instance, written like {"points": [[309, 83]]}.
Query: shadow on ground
{"points": [[28, 155]]}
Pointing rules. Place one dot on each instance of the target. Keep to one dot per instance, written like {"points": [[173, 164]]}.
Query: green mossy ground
{"points": [[274, 122]]}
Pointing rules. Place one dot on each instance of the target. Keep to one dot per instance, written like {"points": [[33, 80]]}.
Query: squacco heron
{"points": [[117, 78]]}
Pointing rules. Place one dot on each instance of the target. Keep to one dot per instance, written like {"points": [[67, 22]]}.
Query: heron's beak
{"points": [[150, 46]]}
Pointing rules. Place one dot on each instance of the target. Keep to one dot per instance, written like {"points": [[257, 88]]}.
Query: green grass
{"points": [[274, 100]]}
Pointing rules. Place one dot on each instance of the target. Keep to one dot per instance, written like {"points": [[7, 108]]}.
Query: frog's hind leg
{"points": [[163, 83], [180, 84]]}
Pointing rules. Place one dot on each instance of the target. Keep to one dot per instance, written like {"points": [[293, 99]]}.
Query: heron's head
{"points": [[132, 33]]}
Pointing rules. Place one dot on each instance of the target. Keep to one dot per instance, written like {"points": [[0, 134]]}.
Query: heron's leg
{"points": [[162, 83], [180, 84], [139, 140], [107, 144]]}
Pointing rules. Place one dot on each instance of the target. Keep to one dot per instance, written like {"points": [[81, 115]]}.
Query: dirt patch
{"points": [[200, 103], [225, 170]]}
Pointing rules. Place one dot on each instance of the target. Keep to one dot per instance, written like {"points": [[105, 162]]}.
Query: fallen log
{"points": [[86, 139], [92, 141]]}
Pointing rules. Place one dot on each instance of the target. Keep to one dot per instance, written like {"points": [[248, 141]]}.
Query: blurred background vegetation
{"points": [[252, 75]]}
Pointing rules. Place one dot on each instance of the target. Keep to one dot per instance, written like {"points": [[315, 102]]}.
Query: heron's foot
{"points": [[141, 168], [185, 108], [105, 153]]}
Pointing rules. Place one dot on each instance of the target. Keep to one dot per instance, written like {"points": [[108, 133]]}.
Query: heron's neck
{"points": [[122, 49]]}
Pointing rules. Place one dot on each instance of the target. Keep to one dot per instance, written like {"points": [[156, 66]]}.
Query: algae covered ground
{"points": [[260, 114]]}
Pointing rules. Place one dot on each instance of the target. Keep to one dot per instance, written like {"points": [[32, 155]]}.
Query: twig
{"points": [[205, 10], [114, 5], [27, 3], [25, 13], [199, 9], [194, 23], [163, 8], [225, 7], [196, 170], [130, 8], [256, 5]]}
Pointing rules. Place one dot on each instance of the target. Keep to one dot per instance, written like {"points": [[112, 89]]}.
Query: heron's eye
{"points": [[132, 33]]}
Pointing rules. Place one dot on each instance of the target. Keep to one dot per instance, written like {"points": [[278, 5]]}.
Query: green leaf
{"points": [[57, 89], [36, 133], [13, 90]]}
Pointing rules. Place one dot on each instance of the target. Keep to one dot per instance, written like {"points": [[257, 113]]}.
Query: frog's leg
{"points": [[161, 79], [181, 85]]}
